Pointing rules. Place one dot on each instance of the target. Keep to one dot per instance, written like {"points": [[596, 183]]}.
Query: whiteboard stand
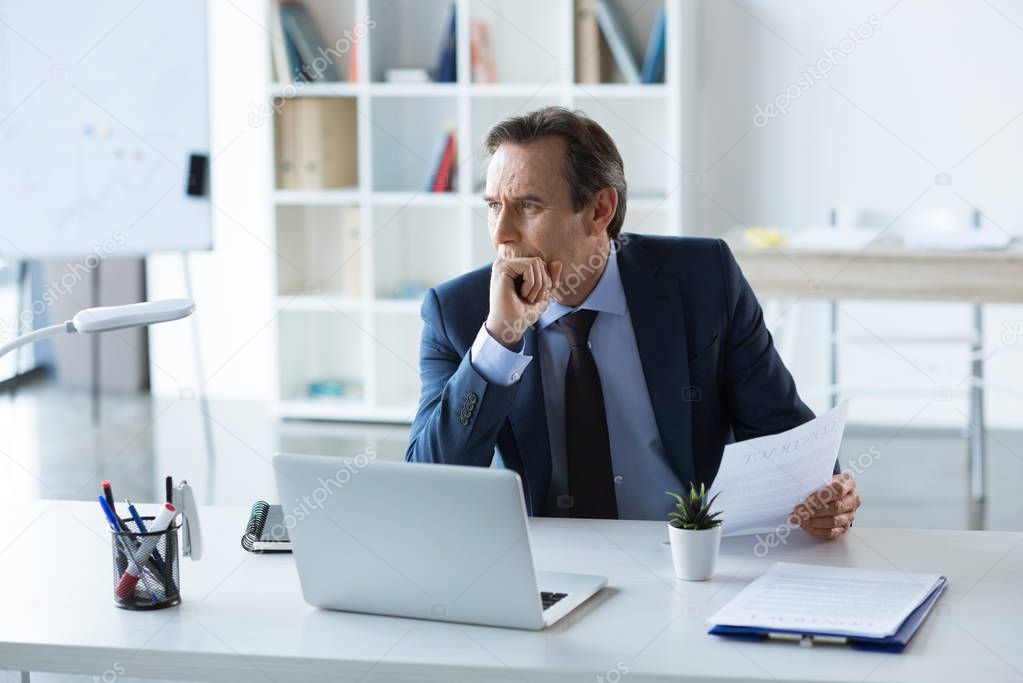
{"points": [[94, 348], [22, 289], [200, 375]]}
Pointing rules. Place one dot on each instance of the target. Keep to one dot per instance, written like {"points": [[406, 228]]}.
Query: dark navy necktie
{"points": [[590, 473]]}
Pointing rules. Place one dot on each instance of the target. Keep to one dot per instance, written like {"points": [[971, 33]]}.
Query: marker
{"points": [[169, 486], [109, 495], [126, 585], [111, 517]]}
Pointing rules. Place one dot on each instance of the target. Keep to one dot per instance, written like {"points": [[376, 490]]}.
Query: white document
{"points": [[761, 480], [817, 599]]}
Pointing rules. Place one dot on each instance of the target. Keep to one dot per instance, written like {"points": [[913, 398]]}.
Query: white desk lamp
{"points": [[108, 318]]}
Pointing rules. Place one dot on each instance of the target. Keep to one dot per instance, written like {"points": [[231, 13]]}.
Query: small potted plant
{"points": [[695, 534]]}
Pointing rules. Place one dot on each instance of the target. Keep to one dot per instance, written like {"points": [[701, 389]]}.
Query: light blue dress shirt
{"points": [[641, 470]]}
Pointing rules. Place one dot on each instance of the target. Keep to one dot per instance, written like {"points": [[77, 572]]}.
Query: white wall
{"points": [[233, 287], [935, 88]]}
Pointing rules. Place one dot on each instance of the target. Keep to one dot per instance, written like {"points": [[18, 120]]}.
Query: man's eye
{"points": [[493, 206], [530, 206]]}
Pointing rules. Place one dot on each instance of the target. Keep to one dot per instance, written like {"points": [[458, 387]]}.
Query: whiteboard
{"points": [[101, 106]]}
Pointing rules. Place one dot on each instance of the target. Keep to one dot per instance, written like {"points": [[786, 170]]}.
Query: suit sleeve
{"points": [[460, 412], [758, 388]]}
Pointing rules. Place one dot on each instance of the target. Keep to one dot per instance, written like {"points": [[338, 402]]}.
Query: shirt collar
{"points": [[607, 297]]}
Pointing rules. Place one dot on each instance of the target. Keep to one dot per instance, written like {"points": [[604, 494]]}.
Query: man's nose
{"points": [[505, 229]]}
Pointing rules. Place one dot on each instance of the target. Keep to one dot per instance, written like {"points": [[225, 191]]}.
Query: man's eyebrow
{"points": [[521, 198]]}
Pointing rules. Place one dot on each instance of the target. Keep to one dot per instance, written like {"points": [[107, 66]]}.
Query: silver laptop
{"points": [[425, 541]]}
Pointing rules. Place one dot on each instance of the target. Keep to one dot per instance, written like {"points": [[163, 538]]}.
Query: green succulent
{"points": [[694, 513]]}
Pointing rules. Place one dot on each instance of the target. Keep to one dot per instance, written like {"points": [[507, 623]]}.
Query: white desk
{"points": [[883, 272], [243, 617]]}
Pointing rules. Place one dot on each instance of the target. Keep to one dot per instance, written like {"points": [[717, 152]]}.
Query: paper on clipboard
{"points": [[761, 480]]}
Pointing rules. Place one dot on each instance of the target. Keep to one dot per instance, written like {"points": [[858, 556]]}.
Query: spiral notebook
{"points": [[266, 531]]}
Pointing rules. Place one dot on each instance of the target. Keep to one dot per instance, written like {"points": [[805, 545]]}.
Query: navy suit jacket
{"points": [[709, 362]]}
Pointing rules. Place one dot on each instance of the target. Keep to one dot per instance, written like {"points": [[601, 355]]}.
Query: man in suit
{"points": [[605, 368]]}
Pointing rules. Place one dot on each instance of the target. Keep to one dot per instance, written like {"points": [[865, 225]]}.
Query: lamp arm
{"points": [[34, 336]]}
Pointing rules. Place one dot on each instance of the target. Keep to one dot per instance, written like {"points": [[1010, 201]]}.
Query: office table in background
{"points": [[886, 271], [243, 618]]}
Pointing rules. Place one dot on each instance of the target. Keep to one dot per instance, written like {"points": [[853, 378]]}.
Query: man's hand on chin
{"points": [[829, 512]]}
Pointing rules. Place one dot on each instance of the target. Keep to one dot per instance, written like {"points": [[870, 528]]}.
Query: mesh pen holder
{"points": [[152, 581]]}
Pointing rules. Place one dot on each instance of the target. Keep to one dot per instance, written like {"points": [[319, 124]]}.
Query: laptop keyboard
{"points": [[549, 599]]}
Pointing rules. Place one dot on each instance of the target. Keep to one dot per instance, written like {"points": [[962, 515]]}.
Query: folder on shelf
{"points": [[447, 65], [442, 169], [865, 609], [653, 63], [294, 67], [616, 32], [301, 31], [443, 181], [278, 46]]}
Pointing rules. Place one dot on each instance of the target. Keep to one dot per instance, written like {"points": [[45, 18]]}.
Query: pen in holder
{"points": [[146, 566]]}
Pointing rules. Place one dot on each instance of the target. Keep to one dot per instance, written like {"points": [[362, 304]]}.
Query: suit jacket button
{"points": [[472, 398], [463, 419]]}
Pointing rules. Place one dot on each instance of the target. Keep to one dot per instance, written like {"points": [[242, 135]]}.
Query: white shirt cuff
{"points": [[496, 363]]}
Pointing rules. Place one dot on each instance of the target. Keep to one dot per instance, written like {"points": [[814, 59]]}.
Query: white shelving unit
{"points": [[355, 317]]}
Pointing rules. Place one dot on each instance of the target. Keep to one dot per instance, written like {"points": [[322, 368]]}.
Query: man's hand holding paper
{"points": [[788, 478], [829, 512]]}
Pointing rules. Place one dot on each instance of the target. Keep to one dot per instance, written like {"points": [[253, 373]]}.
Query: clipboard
{"points": [[895, 643]]}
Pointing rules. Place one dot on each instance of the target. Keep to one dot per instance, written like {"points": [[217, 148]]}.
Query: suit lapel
{"points": [[529, 422], [658, 321]]}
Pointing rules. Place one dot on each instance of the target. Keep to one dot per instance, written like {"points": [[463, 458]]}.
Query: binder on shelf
{"points": [[441, 150], [278, 46], [653, 62], [351, 244], [447, 65], [301, 30], [442, 174], [353, 58], [316, 144], [616, 32], [588, 48], [266, 531], [296, 72], [481, 50]]}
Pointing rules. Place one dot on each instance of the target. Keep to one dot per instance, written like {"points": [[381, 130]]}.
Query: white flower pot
{"points": [[694, 552]]}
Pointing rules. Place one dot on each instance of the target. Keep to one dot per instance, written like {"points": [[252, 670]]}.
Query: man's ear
{"points": [[602, 209]]}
